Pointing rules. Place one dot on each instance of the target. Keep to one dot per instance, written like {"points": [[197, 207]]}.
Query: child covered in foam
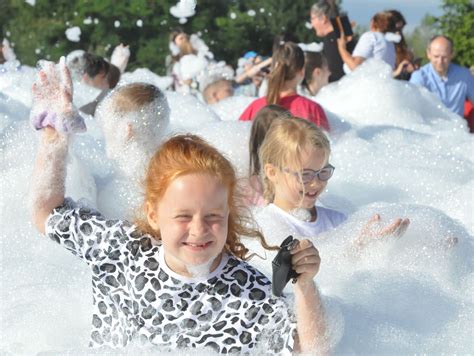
{"points": [[134, 119], [295, 169], [144, 278]]}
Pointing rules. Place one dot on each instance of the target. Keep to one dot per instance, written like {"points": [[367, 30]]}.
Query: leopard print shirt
{"points": [[136, 295]]}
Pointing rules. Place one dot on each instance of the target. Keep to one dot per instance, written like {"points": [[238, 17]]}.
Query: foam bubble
{"points": [[201, 270], [73, 34]]}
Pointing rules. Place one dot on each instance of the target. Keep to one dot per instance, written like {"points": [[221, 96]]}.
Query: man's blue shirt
{"points": [[452, 91]]}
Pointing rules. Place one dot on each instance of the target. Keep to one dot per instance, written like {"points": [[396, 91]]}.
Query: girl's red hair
{"points": [[189, 154]]}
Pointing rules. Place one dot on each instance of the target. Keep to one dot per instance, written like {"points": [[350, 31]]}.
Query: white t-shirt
{"points": [[375, 45], [136, 295], [276, 224]]}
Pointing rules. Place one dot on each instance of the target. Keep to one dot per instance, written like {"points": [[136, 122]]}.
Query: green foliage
{"points": [[229, 27], [39, 31], [457, 22], [418, 39]]}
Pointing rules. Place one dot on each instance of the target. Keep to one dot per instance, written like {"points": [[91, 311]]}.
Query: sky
{"points": [[361, 11]]}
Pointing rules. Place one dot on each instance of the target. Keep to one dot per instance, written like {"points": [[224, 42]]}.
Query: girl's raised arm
{"points": [[53, 114], [49, 174]]}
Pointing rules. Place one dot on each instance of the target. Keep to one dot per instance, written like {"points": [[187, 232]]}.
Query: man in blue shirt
{"points": [[450, 82]]}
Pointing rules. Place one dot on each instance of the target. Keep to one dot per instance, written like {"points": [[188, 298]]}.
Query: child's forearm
{"points": [[348, 59], [49, 174], [311, 324]]}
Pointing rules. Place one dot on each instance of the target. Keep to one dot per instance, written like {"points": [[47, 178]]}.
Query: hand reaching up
{"points": [[120, 57], [8, 52], [52, 100], [373, 231]]}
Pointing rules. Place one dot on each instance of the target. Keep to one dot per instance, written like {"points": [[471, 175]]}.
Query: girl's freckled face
{"points": [[193, 219]]}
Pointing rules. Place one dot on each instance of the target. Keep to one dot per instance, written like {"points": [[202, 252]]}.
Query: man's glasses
{"points": [[308, 175]]}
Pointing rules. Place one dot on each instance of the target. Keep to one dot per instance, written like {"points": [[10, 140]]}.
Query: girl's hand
{"points": [[120, 57], [52, 100], [371, 231], [404, 65], [305, 260]]}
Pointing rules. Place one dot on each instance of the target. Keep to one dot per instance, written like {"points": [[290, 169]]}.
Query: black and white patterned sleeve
{"points": [[84, 231]]}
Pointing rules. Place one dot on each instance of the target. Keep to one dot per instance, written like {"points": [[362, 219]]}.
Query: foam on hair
{"points": [[284, 144], [134, 116]]}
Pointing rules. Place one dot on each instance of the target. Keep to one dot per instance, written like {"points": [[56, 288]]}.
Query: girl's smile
{"points": [[290, 192], [192, 218]]}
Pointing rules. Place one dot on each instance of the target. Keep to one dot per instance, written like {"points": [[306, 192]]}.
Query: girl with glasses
{"points": [[295, 170]]}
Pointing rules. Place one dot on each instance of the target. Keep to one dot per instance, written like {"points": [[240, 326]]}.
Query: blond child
{"points": [[252, 188], [295, 170]]}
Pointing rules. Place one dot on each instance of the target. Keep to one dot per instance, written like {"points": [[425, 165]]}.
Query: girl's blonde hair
{"points": [[189, 154], [284, 144], [287, 60]]}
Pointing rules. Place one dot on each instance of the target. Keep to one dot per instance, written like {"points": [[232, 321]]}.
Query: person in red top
{"points": [[287, 72]]}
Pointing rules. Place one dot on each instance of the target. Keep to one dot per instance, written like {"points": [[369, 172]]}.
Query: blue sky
{"points": [[361, 11]]}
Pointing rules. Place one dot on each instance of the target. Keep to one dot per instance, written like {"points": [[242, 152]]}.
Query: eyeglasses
{"points": [[308, 175]]}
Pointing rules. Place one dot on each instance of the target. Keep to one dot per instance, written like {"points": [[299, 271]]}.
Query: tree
{"points": [[457, 22], [229, 27], [421, 35]]}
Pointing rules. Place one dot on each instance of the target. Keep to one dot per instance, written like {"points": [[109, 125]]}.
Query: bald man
{"points": [[453, 84]]}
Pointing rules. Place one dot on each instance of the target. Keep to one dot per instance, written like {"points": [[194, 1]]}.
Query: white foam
{"points": [[73, 34], [201, 270], [397, 152]]}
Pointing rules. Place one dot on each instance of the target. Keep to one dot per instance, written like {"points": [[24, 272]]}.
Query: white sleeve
{"points": [[365, 46]]}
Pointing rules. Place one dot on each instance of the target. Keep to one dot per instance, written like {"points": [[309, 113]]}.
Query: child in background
{"points": [[295, 167], [95, 72], [286, 74], [177, 278], [217, 91], [134, 119], [250, 73], [316, 74], [253, 190]]}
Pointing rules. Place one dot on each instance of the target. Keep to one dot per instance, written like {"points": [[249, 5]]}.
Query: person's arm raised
{"points": [[254, 70], [52, 113], [351, 61], [49, 174]]}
